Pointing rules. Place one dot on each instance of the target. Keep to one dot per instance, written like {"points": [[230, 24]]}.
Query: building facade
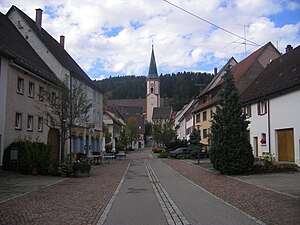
{"points": [[87, 136]]}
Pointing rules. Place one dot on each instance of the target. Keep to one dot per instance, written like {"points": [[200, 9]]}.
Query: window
{"points": [[40, 124], [263, 139], [18, 122], [247, 111], [94, 115], [151, 90], [74, 83], [198, 118], [262, 107], [30, 123], [94, 96], [31, 90], [41, 93], [98, 117], [53, 97], [205, 134], [20, 85], [204, 116], [211, 113]]}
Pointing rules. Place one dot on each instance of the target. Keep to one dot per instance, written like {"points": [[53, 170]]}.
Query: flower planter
{"points": [[79, 173]]}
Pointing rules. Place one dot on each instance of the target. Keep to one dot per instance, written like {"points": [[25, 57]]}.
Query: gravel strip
{"points": [[268, 206], [73, 201]]}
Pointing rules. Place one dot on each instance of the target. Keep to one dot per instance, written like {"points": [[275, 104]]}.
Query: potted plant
{"points": [[81, 168]]}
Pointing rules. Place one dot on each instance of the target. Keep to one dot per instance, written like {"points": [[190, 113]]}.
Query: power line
{"points": [[223, 29]]}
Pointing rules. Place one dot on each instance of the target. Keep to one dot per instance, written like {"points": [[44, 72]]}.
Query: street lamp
{"points": [[199, 138]]}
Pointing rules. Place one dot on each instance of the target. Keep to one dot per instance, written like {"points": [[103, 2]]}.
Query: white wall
{"points": [[38, 46], [3, 85], [285, 113], [258, 125]]}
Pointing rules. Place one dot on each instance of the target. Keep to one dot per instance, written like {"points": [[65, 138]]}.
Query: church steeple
{"points": [[152, 68], [153, 89]]}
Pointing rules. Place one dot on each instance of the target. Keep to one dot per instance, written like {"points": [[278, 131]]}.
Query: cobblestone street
{"points": [[72, 201], [83, 200]]}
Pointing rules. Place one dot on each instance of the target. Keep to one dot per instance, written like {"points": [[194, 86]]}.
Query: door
{"points": [[256, 146], [285, 139], [53, 140]]}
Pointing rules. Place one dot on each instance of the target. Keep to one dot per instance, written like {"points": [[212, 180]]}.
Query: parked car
{"points": [[157, 150], [179, 151]]}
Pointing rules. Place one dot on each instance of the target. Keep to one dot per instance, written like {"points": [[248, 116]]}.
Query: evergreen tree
{"points": [[194, 142], [230, 150]]}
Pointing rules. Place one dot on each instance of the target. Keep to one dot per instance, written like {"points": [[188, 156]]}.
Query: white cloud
{"points": [[182, 42]]}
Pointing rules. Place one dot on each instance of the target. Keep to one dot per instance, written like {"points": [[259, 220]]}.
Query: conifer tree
{"points": [[230, 150]]}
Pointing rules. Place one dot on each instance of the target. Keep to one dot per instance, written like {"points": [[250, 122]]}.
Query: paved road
{"points": [[153, 193]]}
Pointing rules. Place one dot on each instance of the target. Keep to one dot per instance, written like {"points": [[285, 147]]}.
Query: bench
{"points": [[121, 156]]}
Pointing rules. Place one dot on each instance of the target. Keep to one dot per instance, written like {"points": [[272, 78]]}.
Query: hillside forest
{"points": [[178, 89]]}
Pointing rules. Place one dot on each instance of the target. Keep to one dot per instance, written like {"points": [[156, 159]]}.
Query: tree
{"points": [[194, 143], [132, 129], [66, 110], [163, 131], [230, 150]]}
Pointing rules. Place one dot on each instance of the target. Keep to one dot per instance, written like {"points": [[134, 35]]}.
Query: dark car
{"points": [[178, 152]]}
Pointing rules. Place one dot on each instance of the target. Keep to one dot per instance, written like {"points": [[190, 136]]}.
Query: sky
{"points": [[114, 37]]}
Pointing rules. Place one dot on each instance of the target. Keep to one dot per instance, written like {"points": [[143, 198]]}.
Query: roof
{"points": [[152, 68], [162, 112], [114, 116], [128, 102], [244, 73], [140, 102], [282, 74], [131, 111], [57, 50], [207, 104], [215, 81], [13, 45]]}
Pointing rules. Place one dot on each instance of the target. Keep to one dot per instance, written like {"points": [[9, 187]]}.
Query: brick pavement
{"points": [[73, 201], [268, 206]]}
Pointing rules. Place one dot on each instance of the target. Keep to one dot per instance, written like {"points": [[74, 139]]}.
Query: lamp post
{"points": [[198, 129]]}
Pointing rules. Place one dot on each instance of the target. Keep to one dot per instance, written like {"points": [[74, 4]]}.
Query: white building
{"points": [[271, 106], [89, 137], [22, 75]]}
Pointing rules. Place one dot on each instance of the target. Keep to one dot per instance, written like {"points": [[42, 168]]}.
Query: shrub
{"points": [[30, 155], [83, 165], [163, 154]]}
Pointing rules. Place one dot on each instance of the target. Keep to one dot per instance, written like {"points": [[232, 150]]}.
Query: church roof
{"points": [[152, 68]]}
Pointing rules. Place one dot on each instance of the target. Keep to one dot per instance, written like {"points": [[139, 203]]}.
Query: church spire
{"points": [[152, 68]]}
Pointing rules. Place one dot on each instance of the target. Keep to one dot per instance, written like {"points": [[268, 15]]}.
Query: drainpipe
{"points": [[269, 129]]}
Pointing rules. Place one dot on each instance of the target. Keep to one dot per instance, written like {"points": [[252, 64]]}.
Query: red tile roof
{"points": [[281, 75]]}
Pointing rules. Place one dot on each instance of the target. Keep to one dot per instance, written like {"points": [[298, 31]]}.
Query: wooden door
{"points": [[285, 140], [53, 140]]}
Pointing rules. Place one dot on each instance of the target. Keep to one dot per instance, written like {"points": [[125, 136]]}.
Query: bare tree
{"points": [[67, 111]]}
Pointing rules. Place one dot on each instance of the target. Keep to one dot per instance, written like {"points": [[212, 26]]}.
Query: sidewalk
{"points": [[266, 205], [71, 201]]}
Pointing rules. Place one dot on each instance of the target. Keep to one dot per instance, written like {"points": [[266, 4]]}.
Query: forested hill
{"points": [[178, 88]]}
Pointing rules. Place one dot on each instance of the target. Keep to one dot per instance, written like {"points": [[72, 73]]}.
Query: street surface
{"points": [[144, 190]]}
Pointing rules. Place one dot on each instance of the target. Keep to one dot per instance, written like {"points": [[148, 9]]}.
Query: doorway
{"points": [[256, 146], [285, 140], [53, 140]]}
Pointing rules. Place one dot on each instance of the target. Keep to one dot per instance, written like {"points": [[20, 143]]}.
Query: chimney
{"points": [[38, 18], [288, 48], [62, 41], [216, 71]]}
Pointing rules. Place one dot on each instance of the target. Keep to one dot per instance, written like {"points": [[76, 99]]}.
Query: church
{"points": [[148, 109]]}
